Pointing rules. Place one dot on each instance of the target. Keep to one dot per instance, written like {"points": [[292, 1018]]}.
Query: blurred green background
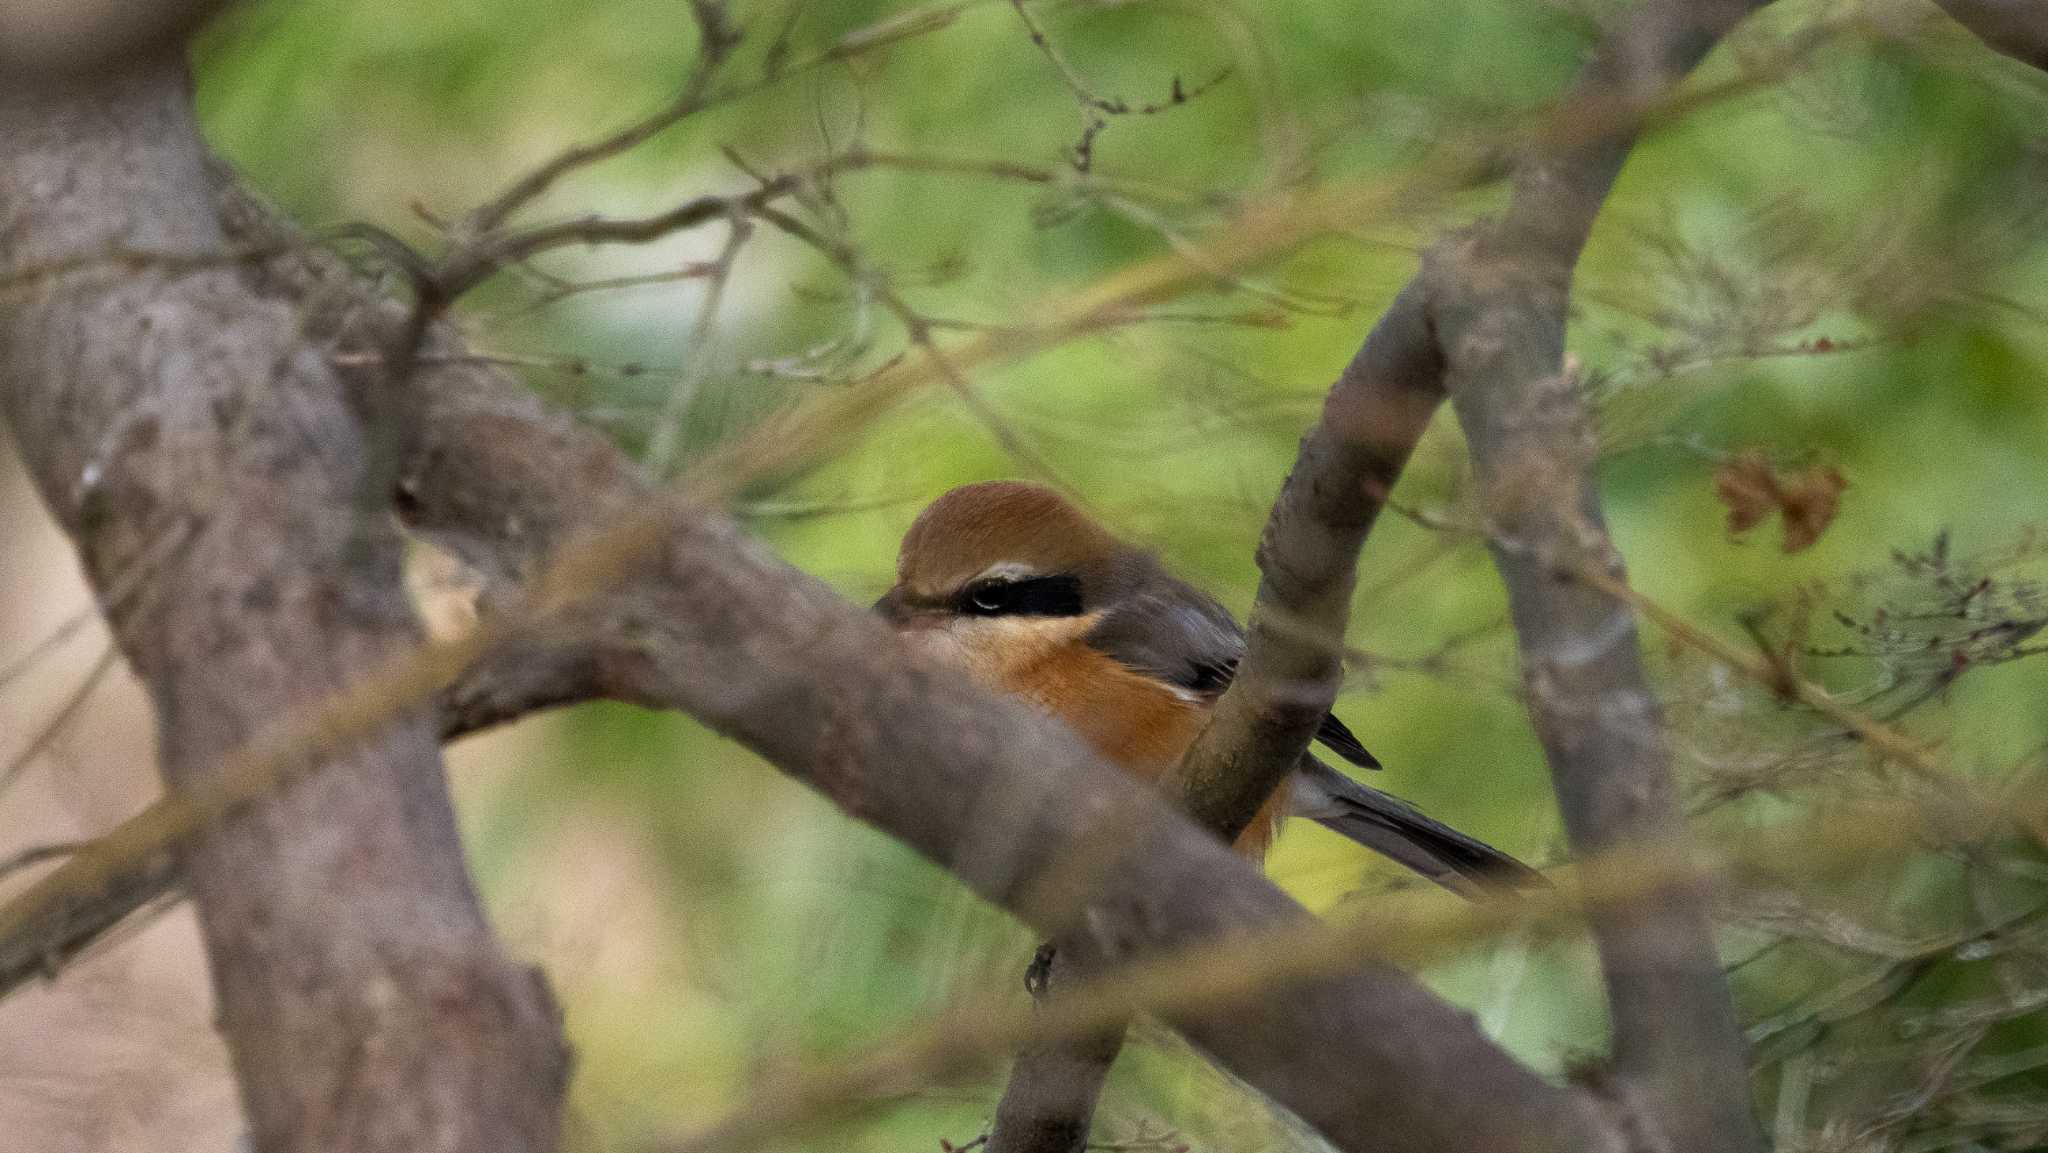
{"points": [[703, 917]]}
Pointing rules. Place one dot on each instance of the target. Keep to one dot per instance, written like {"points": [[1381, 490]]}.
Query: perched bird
{"points": [[1030, 596]]}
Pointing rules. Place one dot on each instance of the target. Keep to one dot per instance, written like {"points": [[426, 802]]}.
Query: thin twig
{"points": [[717, 37], [668, 428], [61, 720], [36, 855]]}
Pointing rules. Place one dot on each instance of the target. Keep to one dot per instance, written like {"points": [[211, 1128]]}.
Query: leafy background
{"points": [[1841, 268]]}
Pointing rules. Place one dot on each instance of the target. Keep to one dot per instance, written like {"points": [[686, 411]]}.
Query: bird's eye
{"points": [[1047, 596], [989, 598]]}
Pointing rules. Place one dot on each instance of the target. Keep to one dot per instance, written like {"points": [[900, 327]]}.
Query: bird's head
{"points": [[1005, 565], [1000, 549]]}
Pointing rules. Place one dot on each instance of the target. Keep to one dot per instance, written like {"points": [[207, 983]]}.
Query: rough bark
{"points": [[1048, 1106], [179, 423]]}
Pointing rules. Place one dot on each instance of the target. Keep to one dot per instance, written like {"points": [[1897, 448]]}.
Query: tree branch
{"points": [[365, 1004], [1501, 314], [1287, 682]]}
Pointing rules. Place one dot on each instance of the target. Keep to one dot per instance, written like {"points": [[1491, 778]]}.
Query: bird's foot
{"points": [[1038, 977]]}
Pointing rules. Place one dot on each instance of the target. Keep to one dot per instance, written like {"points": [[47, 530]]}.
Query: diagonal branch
{"points": [[1287, 682]]}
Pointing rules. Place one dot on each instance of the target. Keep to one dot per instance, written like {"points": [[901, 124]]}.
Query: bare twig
{"points": [[918, 328], [36, 855], [1096, 108], [66, 629], [59, 721], [1773, 672], [668, 429], [716, 40], [472, 264]]}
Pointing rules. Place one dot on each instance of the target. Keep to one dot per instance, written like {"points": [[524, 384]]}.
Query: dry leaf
{"points": [[1807, 500], [1746, 484]]}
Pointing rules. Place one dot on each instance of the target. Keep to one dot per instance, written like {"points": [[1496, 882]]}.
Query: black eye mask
{"points": [[1046, 596]]}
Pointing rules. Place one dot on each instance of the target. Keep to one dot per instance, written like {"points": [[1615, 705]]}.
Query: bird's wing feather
{"points": [[1172, 631], [1394, 828], [1182, 636], [1338, 738]]}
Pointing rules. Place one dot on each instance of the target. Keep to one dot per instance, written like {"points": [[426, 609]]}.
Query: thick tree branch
{"points": [[363, 999], [1501, 315], [1048, 1104]]}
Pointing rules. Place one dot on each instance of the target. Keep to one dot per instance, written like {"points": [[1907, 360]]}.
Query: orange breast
{"points": [[1139, 723]]}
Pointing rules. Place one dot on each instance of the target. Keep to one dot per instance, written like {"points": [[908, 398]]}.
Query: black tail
{"points": [[1394, 828]]}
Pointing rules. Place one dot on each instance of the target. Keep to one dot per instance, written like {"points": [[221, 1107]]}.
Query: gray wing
{"points": [[1184, 637], [1398, 830], [1173, 631]]}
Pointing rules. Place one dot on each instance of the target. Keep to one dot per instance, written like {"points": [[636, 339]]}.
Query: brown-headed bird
{"points": [[1014, 584]]}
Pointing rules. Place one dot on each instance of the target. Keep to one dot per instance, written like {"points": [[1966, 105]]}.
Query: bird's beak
{"points": [[890, 607], [906, 615]]}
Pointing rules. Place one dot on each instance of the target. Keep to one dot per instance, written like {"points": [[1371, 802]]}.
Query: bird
{"points": [[1012, 583]]}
